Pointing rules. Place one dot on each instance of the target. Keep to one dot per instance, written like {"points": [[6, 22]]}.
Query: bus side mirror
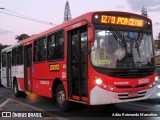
{"points": [[91, 34]]}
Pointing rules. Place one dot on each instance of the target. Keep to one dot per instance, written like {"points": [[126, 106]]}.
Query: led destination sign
{"points": [[122, 21]]}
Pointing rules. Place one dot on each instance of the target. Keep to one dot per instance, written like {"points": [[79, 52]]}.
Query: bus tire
{"points": [[17, 93], [23, 94], [61, 101]]}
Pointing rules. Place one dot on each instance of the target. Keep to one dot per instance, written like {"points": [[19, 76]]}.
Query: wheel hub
{"points": [[61, 98]]}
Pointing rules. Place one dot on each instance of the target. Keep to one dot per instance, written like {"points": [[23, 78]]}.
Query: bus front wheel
{"points": [[61, 98]]}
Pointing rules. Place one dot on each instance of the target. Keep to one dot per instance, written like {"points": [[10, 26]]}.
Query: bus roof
{"points": [[7, 49], [59, 27]]}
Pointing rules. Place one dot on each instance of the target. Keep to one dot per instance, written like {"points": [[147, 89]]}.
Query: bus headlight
{"points": [[156, 78], [98, 81]]}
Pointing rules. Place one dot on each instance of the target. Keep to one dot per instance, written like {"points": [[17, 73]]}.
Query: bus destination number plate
{"points": [[133, 94]]}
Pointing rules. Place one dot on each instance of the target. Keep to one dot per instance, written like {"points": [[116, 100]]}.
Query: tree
{"points": [[157, 42], [158, 36], [144, 12], [2, 47], [22, 37], [67, 12]]}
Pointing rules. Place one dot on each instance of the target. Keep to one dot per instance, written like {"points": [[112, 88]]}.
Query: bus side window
{"points": [[43, 49], [40, 50], [56, 46], [51, 47], [20, 55], [60, 45], [14, 56], [3, 59], [36, 51]]}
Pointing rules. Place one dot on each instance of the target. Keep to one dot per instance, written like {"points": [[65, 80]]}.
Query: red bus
{"points": [[97, 58]]}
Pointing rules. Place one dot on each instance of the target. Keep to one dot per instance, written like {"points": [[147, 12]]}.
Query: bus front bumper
{"points": [[99, 96]]}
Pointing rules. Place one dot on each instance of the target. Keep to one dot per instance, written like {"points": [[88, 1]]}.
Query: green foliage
{"points": [[22, 37], [144, 12], [158, 36], [3, 46]]}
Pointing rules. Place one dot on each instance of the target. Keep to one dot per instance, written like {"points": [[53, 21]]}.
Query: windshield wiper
{"points": [[120, 39], [138, 41]]}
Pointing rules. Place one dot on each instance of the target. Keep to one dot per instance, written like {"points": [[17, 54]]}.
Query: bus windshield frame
{"points": [[122, 49]]}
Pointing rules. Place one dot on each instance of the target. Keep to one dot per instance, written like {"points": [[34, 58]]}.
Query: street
{"points": [[42, 104]]}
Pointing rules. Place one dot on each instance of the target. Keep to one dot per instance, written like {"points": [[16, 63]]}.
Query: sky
{"points": [[52, 11]]}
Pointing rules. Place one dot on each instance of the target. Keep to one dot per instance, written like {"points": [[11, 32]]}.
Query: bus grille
{"points": [[126, 97], [131, 98], [137, 86], [131, 73]]}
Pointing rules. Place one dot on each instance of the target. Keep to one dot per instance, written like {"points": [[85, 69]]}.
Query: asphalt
{"points": [[19, 108], [11, 109]]}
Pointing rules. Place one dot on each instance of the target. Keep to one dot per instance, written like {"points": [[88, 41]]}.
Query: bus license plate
{"points": [[133, 94]]}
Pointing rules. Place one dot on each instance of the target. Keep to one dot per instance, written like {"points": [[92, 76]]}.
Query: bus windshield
{"points": [[122, 49]]}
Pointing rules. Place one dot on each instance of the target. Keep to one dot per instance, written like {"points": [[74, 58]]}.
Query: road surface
{"points": [[48, 106]]}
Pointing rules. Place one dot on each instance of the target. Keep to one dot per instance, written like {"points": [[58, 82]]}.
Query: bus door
{"points": [[28, 67], [77, 64], [9, 77]]}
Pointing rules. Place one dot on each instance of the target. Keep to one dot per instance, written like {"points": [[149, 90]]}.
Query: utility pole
{"points": [[67, 12], [144, 12]]}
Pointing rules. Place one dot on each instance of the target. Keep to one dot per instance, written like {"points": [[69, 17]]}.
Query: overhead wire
{"points": [[14, 14]]}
